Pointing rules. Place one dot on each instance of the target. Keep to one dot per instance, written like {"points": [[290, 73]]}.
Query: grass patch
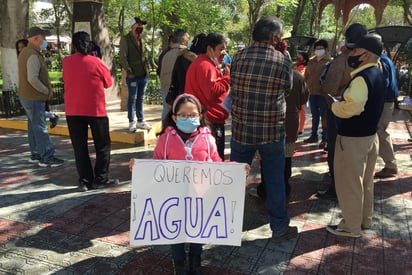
{"points": [[55, 76]]}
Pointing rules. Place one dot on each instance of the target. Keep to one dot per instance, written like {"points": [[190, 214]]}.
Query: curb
{"points": [[139, 138]]}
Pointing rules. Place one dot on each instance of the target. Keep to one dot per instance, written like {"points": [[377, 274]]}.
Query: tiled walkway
{"points": [[47, 227]]}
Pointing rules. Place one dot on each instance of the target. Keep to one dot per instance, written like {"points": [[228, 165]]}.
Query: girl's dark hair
{"points": [[199, 44], [305, 57], [168, 120], [214, 39], [25, 43], [81, 41]]}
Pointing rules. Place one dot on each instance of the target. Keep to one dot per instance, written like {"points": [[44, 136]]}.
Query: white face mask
{"points": [[320, 52]]}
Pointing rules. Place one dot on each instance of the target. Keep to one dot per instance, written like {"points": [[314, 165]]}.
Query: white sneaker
{"points": [[132, 126], [144, 125]]}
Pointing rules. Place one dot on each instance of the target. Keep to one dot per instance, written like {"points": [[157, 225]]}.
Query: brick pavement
{"points": [[47, 227]]}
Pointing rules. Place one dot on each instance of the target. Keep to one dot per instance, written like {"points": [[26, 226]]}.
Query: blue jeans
{"points": [[273, 165], [318, 107], [39, 139], [136, 87], [178, 250]]}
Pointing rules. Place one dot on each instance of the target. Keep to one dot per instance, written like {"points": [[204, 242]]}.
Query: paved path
{"points": [[48, 227]]}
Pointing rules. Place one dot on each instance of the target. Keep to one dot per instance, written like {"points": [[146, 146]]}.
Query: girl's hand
{"points": [[247, 169], [131, 164]]}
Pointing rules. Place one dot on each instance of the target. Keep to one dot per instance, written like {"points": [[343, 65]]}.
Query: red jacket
{"points": [[171, 146], [85, 78], [207, 83]]}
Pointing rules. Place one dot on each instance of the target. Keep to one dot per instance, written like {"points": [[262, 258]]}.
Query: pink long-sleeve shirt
{"points": [[172, 147]]}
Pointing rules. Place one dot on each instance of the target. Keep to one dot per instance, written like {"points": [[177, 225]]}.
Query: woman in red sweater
{"points": [[211, 85], [85, 78]]}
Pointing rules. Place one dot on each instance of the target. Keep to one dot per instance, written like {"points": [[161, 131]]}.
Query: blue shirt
{"points": [[389, 71]]}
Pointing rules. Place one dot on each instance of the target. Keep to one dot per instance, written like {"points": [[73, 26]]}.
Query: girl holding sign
{"points": [[185, 136]]}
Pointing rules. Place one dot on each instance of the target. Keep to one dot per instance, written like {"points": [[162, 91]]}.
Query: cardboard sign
{"points": [[187, 201]]}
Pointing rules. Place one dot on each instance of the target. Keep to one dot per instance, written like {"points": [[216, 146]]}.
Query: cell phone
{"points": [[333, 98]]}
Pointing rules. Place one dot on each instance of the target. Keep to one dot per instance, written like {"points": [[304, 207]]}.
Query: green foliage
{"points": [[392, 15], [55, 76], [54, 19], [153, 94], [288, 16]]}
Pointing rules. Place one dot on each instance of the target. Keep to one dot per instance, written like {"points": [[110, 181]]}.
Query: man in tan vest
{"points": [[34, 90]]}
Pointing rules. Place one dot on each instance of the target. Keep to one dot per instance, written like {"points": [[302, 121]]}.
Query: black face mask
{"points": [[353, 61], [139, 30]]}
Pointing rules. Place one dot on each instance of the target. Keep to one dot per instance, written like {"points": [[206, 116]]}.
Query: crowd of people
{"points": [[263, 91]]}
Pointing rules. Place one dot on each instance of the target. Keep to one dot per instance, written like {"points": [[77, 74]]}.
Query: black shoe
{"points": [[386, 173], [53, 121], [334, 229], [105, 183], [311, 139], [291, 232], [326, 195], [34, 159], [51, 162], [85, 185]]}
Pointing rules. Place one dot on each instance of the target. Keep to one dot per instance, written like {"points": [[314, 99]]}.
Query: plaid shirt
{"points": [[260, 77]]}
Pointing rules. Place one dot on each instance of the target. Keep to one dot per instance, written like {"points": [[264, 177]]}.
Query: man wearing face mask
{"points": [[317, 102], [334, 80], [34, 90], [132, 59], [356, 148]]}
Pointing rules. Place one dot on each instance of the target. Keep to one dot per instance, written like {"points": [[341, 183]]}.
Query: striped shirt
{"points": [[260, 77]]}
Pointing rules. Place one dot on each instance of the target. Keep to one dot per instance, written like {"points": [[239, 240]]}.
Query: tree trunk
{"points": [[406, 12], [253, 14], [92, 12], [69, 9], [298, 15], [14, 23], [313, 18]]}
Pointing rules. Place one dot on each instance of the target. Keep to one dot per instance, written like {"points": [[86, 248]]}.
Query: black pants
{"points": [[219, 134], [78, 129], [331, 136]]}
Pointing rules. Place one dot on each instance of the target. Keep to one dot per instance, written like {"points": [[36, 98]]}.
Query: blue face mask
{"points": [[44, 45], [188, 125]]}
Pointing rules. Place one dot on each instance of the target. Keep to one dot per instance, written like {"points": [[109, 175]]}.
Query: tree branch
{"points": [[68, 8]]}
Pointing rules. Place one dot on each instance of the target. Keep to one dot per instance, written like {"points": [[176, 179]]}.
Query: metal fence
{"points": [[10, 104]]}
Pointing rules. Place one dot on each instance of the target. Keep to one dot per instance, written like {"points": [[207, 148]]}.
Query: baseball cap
{"points": [[33, 31], [137, 20], [353, 33], [371, 44]]}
